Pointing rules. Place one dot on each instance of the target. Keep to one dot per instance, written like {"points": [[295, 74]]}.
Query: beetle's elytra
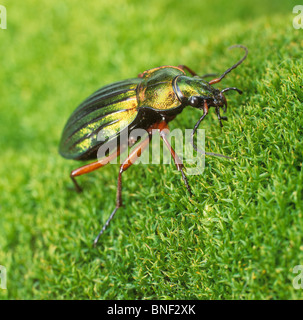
{"points": [[149, 101]]}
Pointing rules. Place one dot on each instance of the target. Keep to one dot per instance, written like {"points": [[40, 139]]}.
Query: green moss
{"points": [[239, 237]]}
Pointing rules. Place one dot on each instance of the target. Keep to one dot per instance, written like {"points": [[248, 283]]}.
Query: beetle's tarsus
{"points": [[76, 184], [186, 183], [79, 189], [105, 226]]}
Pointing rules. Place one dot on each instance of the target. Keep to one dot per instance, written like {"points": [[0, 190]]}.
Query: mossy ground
{"points": [[239, 237]]}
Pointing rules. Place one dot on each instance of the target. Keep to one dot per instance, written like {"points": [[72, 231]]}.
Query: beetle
{"points": [[150, 102]]}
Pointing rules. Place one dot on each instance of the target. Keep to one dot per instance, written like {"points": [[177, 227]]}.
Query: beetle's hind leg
{"points": [[76, 184], [92, 167], [83, 170]]}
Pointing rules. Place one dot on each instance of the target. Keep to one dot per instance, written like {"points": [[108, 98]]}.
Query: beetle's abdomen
{"points": [[110, 109], [156, 89]]}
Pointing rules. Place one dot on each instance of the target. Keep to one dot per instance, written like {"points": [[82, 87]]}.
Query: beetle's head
{"points": [[218, 101], [200, 94]]}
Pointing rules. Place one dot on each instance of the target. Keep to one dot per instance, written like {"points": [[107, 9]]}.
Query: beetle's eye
{"points": [[193, 101]]}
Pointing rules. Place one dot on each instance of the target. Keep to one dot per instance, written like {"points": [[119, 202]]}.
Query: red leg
{"points": [[125, 165], [162, 126], [91, 167]]}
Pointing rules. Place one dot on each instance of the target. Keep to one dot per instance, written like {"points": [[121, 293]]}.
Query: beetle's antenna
{"points": [[233, 67], [233, 88]]}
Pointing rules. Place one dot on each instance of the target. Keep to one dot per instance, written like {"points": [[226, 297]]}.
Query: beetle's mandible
{"points": [[149, 102]]}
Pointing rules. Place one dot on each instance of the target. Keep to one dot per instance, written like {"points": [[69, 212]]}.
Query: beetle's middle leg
{"points": [[179, 164], [133, 156]]}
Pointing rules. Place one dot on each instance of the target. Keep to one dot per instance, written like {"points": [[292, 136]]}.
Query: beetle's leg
{"points": [[193, 73], [205, 113], [133, 156], [91, 167], [141, 75], [178, 162], [209, 75], [220, 117], [183, 67]]}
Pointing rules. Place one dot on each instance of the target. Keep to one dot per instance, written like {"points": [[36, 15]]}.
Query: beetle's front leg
{"points": [[163, 127], [220, 117]]}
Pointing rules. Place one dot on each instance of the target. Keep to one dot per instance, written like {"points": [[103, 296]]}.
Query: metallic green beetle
{"points": [[149, 102]]}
